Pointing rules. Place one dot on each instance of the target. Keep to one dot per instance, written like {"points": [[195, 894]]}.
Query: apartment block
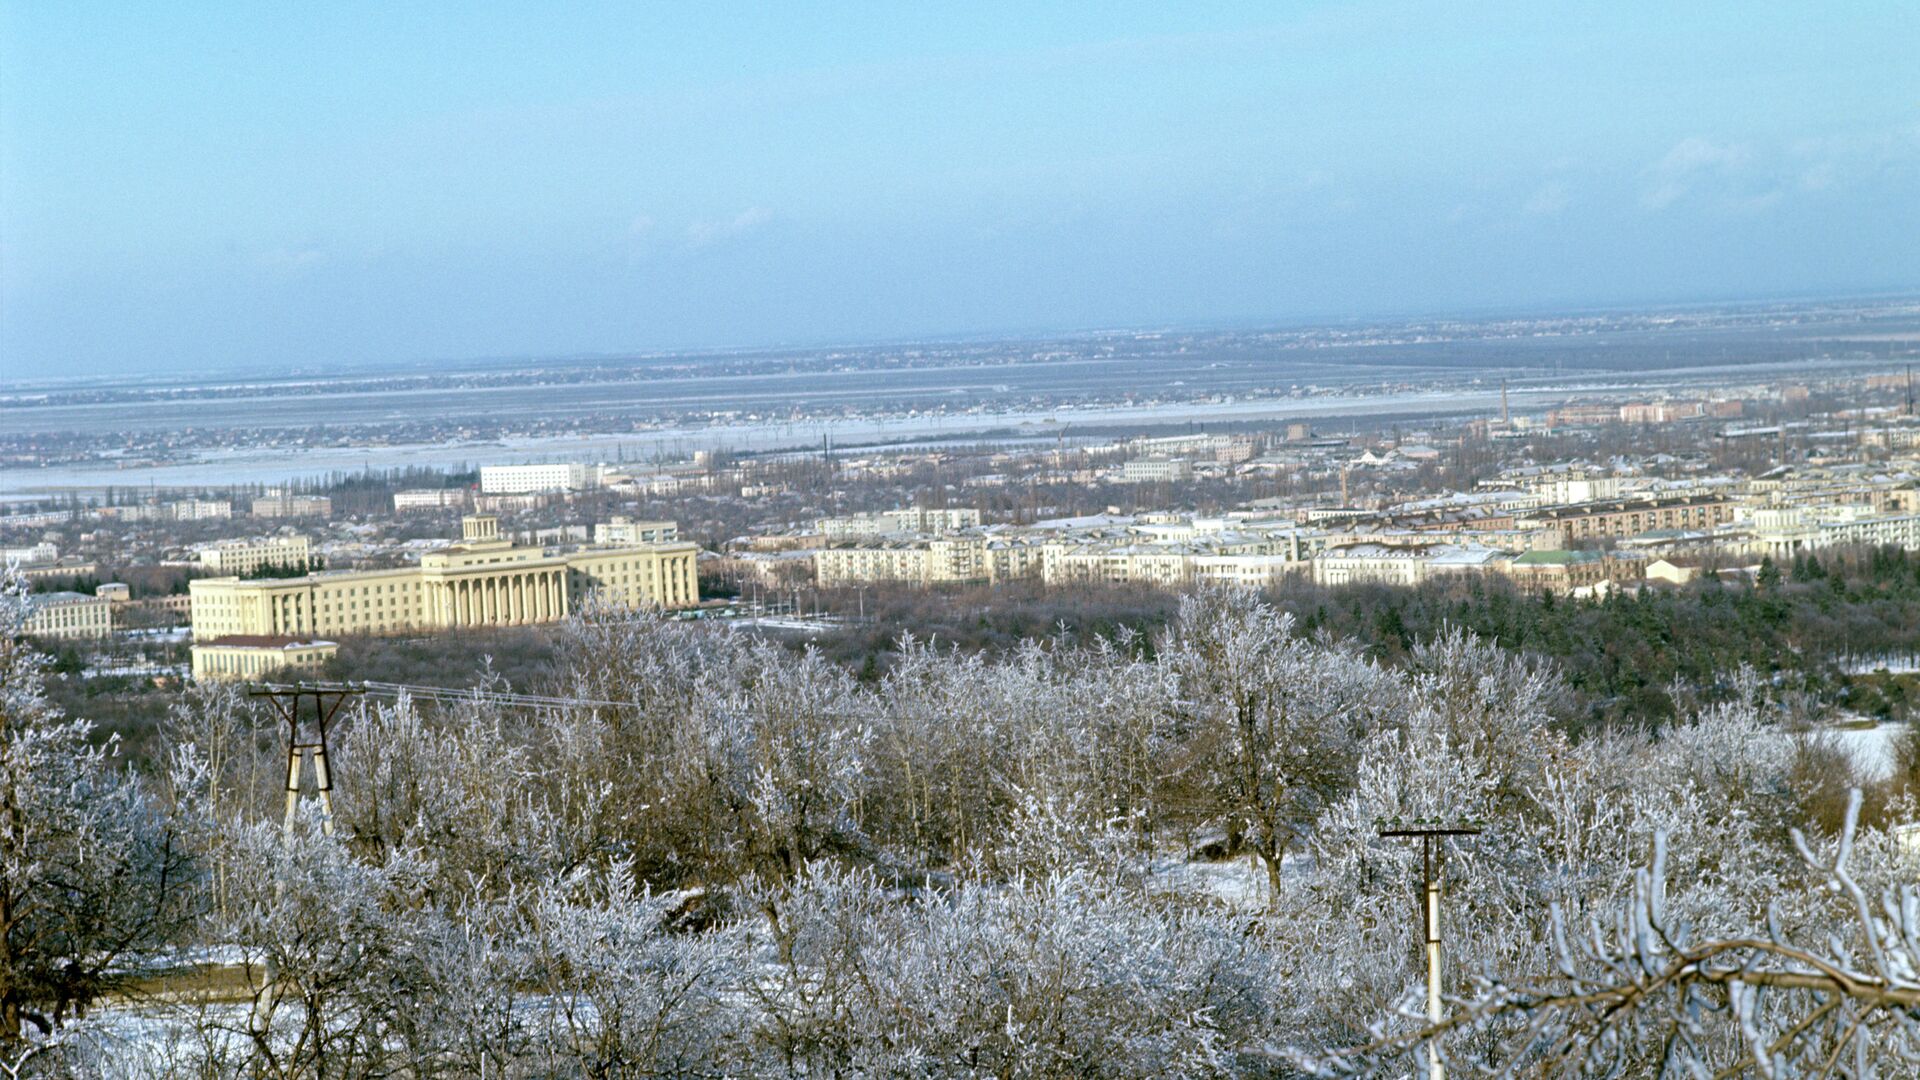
{"points": [[1621, 518], [623, 530], [242, 557]]}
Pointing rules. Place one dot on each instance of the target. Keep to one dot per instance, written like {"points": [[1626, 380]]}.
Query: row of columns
{"points": [[290, 612], [507, 598]]}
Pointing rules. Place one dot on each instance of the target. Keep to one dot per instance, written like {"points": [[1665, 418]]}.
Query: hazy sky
{"points": [[251, 184]]}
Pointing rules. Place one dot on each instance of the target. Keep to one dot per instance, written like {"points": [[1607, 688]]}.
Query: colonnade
{"points": [[504, 598]]}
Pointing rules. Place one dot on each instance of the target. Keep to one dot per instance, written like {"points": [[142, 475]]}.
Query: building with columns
{"points": [[482, 581]]}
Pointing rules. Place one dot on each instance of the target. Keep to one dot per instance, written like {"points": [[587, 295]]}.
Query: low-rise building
{"points": [[256, 656], [1563, 572], [935, 561], [416, 500]]}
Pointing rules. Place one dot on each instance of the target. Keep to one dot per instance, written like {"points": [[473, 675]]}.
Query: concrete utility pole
{"points": [[1430, 920]]}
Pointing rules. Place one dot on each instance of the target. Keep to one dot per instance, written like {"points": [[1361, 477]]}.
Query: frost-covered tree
{"points": [[93, 877], [325, 941], [1638, 987], [1268, 725]]}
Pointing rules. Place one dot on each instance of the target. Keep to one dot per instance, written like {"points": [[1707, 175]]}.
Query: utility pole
{"points": [[326, 702], [1430, 919]]}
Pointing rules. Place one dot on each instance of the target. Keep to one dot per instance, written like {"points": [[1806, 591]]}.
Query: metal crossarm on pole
{"points": [[327, 700], [1430, 919]]}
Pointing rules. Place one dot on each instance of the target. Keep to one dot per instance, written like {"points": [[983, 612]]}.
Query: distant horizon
{"points": [[957, 337]]}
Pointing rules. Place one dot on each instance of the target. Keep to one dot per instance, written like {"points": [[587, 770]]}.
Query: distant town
{"points": [[1592, 495]]}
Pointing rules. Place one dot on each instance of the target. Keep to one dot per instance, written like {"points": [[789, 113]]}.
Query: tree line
{"points": [[1121, 855]]}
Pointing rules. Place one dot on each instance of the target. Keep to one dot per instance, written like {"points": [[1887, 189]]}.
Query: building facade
{"points": [[623, 530], [1621, 518], [254, 656], [68, 616], [529, 479], [483, 581], [428, 499], [280, 504], [242, 557]]}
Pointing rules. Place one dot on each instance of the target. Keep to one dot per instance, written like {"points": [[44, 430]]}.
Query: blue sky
{"points": [[257, 186]]}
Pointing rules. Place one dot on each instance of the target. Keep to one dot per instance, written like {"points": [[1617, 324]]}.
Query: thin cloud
{"points": [[290, 260], [1550, 200], [1683, 168], [707, 233]]}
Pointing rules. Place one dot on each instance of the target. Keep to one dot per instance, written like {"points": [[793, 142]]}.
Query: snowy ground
{"points": [[1872, 749]]}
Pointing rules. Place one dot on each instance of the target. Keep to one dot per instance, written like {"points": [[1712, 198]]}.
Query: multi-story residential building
{"points": [[529, 479], [1373, 564], [1564, 489], [622, 530], [1166, 566], [416, 500], [1245, 571], [201, 509], [935, 561], [282, 504], [68, 615], [483, 581], [30, 556], [254, 656], [1156, 470], [1620, 518], [243, 557], [912, 521]]}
